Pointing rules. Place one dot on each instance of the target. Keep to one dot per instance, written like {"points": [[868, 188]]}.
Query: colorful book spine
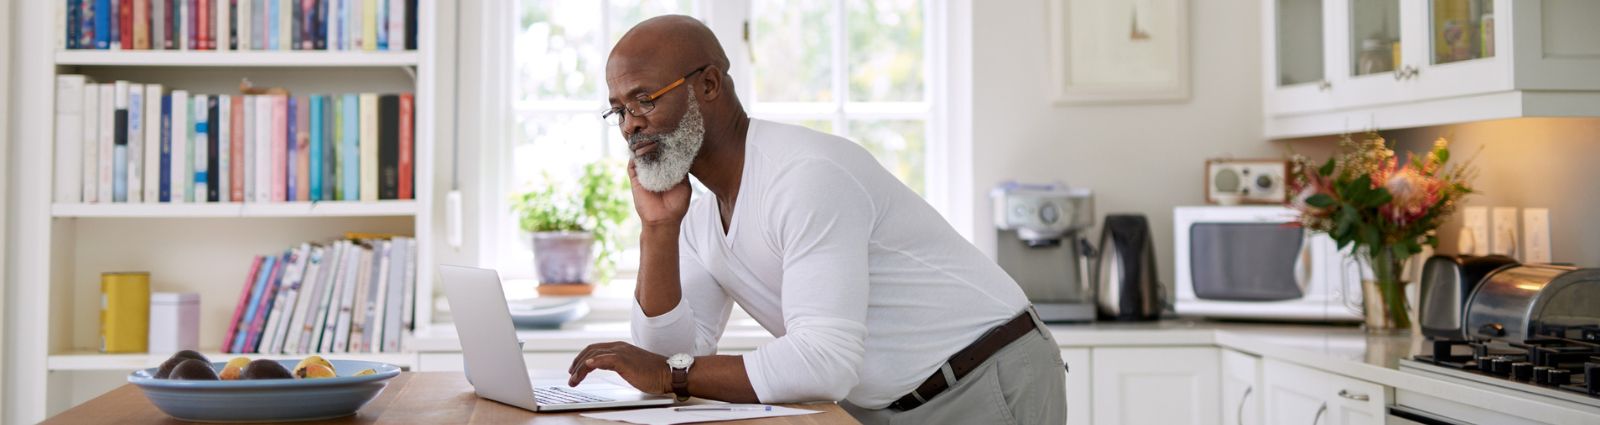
{"points": [[249, 131], [158, 24], [223, 128], [291, 163], [286, 24], [329, 142], [222, 36], [152, 142], [119, 150], [264, 156], [74, 23], [397, 25], [242, 327], [407, 147], [242, 25], [203, 14], [166, 149], [239, 308], [395, 287], [134, 192], [102, 24], [90, 147], [86, 18], [69, 138], [302, 151], [174, 24], [369, 147], [388, 146], [369, 25], [236, 132], [213, 156], [296, 20], [314, 160], [179, 130], [201, 149], [141, 24], [319, 21], [264, 305], [280, 147], [411, 24], [108, 140], [350, 153], [381, 20], [124, 24]]}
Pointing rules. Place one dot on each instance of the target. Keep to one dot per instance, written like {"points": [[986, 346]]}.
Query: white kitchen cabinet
{"points": [[1299, 395], [1155, 386], [1080, 393], [1334, 66], [1241, 389]]}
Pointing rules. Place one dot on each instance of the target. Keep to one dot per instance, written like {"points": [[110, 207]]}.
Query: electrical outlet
{"points": [[1536, 235], [1504, 239], [1474, 239]]}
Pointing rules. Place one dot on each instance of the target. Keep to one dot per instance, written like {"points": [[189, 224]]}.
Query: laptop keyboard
{"points": [[563, 395]]}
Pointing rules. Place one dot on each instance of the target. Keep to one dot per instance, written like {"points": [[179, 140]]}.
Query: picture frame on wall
{"points": [[1119, 51]]}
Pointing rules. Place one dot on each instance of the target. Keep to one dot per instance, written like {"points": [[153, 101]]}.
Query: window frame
{"points": [[946, 170]]}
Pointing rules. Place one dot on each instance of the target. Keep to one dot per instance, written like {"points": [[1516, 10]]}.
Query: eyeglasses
{"points": [[644, 103]]}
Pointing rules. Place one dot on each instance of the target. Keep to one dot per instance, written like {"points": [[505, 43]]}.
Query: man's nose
{"points": [[632, 125]]}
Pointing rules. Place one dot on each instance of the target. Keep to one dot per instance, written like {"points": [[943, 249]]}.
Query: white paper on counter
{"points": [[668, 416]]}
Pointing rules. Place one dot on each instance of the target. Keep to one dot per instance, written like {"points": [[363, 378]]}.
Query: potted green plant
{"points": [[574, 228]]}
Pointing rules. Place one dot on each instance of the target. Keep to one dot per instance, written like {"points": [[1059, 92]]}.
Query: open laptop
{"points": [[494, 361]]}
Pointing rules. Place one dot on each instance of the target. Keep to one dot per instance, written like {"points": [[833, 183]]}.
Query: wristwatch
{"points": [[680, 374]]}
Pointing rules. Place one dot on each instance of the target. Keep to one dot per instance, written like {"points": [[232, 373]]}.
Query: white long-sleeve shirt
{"points": [[867, 288]]}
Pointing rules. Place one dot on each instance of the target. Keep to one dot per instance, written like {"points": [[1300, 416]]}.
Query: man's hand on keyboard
{"points": [[644, 370]]}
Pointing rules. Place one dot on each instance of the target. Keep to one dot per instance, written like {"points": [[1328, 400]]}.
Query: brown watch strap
{"points": [[680, 383]]}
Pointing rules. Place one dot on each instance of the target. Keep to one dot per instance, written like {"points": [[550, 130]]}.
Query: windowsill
{"points": [[612, 302]]}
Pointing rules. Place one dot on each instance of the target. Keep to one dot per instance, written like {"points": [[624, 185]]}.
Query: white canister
{"points": [[174, 322]]}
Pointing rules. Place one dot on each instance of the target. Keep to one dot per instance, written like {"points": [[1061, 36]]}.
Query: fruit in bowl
{"points": [[261, 390]]}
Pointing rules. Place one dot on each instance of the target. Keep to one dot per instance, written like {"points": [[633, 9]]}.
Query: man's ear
{"points": [[711, 83]]}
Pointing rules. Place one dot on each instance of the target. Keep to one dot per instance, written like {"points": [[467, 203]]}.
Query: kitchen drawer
{"points": [[1301, 395]]}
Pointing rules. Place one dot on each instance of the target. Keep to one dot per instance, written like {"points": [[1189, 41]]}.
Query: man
{"points": [[874, 299]]}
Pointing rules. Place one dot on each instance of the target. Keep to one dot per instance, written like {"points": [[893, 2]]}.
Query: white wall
{"points": [[1142, 158]]}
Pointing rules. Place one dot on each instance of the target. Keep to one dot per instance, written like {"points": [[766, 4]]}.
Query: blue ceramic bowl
{"points": [[267, 400]]}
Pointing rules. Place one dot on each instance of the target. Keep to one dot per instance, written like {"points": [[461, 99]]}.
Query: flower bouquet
{"points": [[1365, 198]]}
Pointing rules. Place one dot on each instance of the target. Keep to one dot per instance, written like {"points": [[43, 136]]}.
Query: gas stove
{"points": [[1559, 361]]}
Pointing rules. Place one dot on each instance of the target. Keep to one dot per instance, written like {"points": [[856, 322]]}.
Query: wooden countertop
{"points": [[413, 398]]}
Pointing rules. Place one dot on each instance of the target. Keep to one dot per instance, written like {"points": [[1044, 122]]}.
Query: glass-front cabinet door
{"points": [[1296, 47], [1371, 54], [1466, 50]]}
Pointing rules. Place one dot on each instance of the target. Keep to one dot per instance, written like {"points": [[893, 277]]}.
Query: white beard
{"points": [[668, 163]]}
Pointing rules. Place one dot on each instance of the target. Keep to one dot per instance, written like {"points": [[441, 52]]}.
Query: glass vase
{"points": [[1384, 308]]}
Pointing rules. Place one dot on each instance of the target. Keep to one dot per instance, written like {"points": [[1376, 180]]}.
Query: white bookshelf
{"points": [[287, 59], [59, 249], [242, 210]]}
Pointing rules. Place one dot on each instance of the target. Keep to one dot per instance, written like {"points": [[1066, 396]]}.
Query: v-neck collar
{"points": [[740, 197]]}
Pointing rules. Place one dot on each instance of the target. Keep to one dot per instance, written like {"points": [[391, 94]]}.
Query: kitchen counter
{"points": [[1341, 350]]}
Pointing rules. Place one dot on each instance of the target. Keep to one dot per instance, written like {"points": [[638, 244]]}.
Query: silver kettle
{"points": [[1127, 287]]}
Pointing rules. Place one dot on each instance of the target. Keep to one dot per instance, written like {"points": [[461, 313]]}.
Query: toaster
{"points": [[1446, 282], [1515, 302]]}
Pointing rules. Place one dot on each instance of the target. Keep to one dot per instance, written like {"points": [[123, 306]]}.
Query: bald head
{"points": [[659, 51], [670, 36]]}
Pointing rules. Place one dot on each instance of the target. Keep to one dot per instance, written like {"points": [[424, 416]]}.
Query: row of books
{"points": [[241, 24], [354, 295], [126, 142]]}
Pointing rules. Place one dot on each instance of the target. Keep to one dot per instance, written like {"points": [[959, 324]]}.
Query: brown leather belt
{"points": [[964, 361]]}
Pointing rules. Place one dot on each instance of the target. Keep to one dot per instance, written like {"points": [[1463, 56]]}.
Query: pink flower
{"points": [[1414, 193]]}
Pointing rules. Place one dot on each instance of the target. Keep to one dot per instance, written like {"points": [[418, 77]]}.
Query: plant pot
{"points": [[563, 258]]}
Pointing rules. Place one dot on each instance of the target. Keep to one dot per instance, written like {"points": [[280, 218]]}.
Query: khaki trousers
{"points": [[1023, 383]]}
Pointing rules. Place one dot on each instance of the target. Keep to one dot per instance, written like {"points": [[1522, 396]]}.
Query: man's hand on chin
{"points": [[644, 370]]}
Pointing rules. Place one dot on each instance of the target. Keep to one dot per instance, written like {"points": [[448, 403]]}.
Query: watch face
{"points": [[680, 361]]}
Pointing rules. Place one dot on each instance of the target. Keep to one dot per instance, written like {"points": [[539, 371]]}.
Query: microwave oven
{"points": [[1251, 262]]}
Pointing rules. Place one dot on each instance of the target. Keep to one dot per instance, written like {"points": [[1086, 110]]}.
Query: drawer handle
{"points": [[1320, 411], [1353, 396], [1240, 415]]}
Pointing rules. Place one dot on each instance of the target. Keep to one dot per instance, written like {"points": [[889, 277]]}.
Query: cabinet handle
{"points": [[1353, 396], [1240, 415], [1320, 411]]}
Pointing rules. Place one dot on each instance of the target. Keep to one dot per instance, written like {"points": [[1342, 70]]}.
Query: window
{"points": [[856, 68]]}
